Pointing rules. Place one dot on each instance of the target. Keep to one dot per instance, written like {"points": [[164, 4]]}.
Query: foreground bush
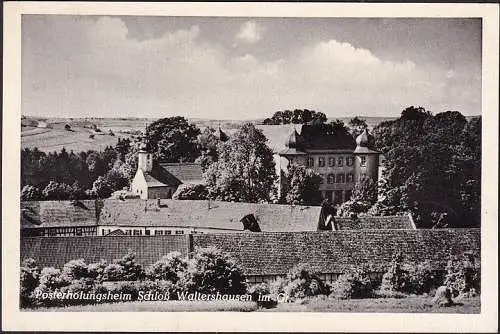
{"points": [[261, 294], [353, 284], [409, 278], [300, 282], [30, 275], [463, 275], [211, 271]]}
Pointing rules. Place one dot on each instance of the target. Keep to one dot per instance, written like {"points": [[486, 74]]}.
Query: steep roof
{"points": [[59, 213], [56, 251], [208, 214], [323, 137], [335, 252], [269, 253], [185, 172], [312, 137], [374, 223]]}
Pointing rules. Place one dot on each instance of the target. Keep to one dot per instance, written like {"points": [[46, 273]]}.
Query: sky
{"points": [[247, 68]]}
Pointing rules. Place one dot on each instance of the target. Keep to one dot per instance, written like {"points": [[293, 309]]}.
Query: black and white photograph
{"points": [[243, 163]]}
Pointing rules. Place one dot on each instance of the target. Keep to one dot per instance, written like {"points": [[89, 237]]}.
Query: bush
{"points": [[191, 192], [408, 278], [300, 282], [130, 269], [159, 286], [96, 271], [51, 281], [418, 278], [57, 191], [29, 280], [75, 270], [261, 294], [30, 193], [168, 268], [353, 284], [463, 275], [211, 271]]}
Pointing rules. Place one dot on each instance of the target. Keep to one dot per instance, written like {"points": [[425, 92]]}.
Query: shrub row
{"points": [[207, 271]]}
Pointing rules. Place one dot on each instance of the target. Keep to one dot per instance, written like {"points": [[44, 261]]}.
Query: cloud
{"points": [[249, 32], [94, 68]]}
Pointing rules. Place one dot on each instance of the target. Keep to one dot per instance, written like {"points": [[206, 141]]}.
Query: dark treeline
{"points": [[297, 116], [432, 168]]}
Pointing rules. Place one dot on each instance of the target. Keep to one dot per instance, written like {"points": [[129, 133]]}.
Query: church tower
{"points": [[145, 159]]}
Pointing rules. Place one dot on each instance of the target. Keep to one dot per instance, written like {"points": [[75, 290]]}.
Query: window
{"points": [[322, 180], [340, 178], [158, 232], [338, 197], [310, 162], [321, 162], [350, 177], [168, 232], [341, 162], [363, 161], [137, 232], [147, 232], [349, 161], [329, 195], [78, 231], [179, 232], [331, 162], [331, 178]]}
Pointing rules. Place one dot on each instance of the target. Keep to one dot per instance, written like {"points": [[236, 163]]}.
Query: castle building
{"points": [[339, 159]]}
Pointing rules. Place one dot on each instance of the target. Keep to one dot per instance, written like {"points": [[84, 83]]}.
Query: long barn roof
{"points": [[269, 253]]}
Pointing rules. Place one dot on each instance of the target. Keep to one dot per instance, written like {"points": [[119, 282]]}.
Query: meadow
{"points": [[411, 304]]}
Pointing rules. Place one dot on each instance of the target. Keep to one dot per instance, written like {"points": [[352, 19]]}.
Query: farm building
{"points": [[160, 180], [269, 255], [163, 217]]}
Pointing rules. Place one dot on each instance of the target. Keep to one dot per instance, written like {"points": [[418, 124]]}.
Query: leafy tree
{"points": [[432, 168], [301, 282], [207, 143], [211, 271], [297, 116], [29, 280], [245, 171], [302, 186], [191, 192], [30, 193], [173, 139], [57, 191], [101, 187], [168, 268], [355, 283], [357, 126], [129, 268], [364, 195]]}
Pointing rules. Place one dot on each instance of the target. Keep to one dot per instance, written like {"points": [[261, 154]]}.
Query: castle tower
{"points": [[366, 160], [145, 159]]}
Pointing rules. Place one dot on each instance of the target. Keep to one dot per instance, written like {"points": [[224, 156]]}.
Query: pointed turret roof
{"points": [[364, 143]]}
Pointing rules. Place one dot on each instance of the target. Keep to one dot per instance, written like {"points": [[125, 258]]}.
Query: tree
{"points": [[57, 191], [302, 186], [101, 187], [173, 139], [357, 126], [432, 168], [191, 192], [297, 116], [30, 193], [207, 143], [245, 171], [211, 271]]}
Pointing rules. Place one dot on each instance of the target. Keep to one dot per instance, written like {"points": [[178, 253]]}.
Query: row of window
{"points": [[146, 232], [332, 162], [70, 231], [337, 178]]}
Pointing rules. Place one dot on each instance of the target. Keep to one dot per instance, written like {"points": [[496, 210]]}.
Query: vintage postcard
{"points": [[250, 166]]}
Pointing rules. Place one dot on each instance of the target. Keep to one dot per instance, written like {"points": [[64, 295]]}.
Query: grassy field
{"points": [[417, 304], [54, 137]]}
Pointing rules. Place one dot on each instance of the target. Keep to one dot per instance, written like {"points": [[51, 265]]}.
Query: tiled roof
{"points": [[185, 172], [159, 177], [374, 222], [335, 252], [270, 253], [59, 213], [56, 251], [208, 214]]}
